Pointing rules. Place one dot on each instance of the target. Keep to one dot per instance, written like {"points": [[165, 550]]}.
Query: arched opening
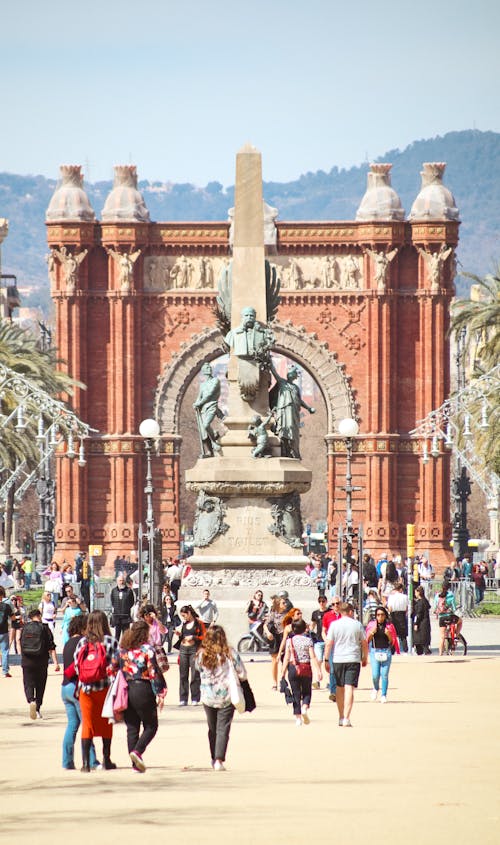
{"points": [[179, 384]]}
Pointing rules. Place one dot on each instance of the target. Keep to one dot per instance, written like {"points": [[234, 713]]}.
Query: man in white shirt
{"points": [[350, 652], [397, 604], [207, 609], [426, 573]]}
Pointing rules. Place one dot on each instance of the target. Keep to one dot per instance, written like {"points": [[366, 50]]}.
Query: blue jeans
{"points": [[380, 670], [27, 580], [332, 684], [74, 715], [4, 648]]}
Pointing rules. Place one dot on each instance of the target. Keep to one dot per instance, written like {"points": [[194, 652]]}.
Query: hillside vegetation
{"points": [[473, 174]]}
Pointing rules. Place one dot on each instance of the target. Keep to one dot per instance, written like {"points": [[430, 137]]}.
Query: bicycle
{"points": [[253, 641], [454, 643]]}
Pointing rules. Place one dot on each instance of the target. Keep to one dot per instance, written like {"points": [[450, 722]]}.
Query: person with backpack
{"points": [[37, 645], [95, 664], [76, 630]]}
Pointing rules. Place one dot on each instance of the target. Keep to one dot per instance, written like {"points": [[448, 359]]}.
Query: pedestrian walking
{"points": [[170, 620], [37, 645], [316, 633], [397, 605], [47, 609], [421, 623], [298, 660], [273, 630], [93, 661], [347, 638], [5, 615], [146, 690], [382, 639], [76, 630], [17, 621], [191, 633], [122, 602], [216, 661]]}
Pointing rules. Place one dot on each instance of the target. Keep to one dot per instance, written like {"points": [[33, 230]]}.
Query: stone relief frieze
{"points": [[328, 272], [272, 578], [168, 272]]}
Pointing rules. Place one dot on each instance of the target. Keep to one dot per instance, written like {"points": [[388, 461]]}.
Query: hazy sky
{"points": [[178, 87]]}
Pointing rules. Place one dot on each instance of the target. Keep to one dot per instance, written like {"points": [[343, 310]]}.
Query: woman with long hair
{"points": [[76, 630], [156, 628], [273, 630], [169, 619], [17, 621], [191, 633], [382, 640], [299, 660], [95, 664], [146, 690], [421, 622], [215, 661]]}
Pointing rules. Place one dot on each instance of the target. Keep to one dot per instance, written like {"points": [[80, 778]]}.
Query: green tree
{"points": [[21, 353]]}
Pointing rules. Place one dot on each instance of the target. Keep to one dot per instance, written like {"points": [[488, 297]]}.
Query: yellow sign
{"points": [[410, 540], [95, 551]]}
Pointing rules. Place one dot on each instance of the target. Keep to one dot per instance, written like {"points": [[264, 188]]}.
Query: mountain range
{"points": [[472, 174]]}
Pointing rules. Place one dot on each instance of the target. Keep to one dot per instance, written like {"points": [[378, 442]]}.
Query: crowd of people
{"points": [[339, 639]]}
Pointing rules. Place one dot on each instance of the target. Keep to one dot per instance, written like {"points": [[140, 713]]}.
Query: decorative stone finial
{"points": [[380, 201], [435, 201], [125, 202], [69, 201]]}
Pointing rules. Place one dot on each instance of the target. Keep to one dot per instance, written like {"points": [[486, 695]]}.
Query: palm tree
{"points": [[20, 352], [479, 317]]}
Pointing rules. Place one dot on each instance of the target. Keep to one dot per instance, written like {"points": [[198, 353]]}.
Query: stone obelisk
{"points": [[248, 510]]}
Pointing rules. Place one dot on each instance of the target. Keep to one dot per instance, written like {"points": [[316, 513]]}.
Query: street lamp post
{"points": [[149, 431], [348, 428], [461, 482]]}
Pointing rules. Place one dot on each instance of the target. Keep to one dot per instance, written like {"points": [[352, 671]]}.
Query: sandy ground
{"points": [[424, 768]]}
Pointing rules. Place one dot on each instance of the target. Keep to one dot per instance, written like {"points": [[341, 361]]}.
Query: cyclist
{"points": [[446, 611]]}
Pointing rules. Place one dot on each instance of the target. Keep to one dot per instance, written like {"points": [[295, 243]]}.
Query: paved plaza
{"points": [[424, 768]]}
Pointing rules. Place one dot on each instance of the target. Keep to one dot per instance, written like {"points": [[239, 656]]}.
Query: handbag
{"points": [[380, 656], [107, 711], [249, 697], [161, 659], [304, 669], [120, 700], [235, 690]]}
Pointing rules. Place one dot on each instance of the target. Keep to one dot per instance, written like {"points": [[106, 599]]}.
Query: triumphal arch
{"points": [[364, 308]]}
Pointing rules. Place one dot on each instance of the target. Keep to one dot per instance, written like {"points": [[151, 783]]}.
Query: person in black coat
{"points": [[421, 622], [122, 602]]}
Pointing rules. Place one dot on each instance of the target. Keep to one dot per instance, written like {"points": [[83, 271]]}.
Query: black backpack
{"points": [[32, 639]]}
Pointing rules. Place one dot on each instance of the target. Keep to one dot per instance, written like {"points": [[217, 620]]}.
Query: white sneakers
{"points": [[373, 694], [219, 766], [383, 699]]}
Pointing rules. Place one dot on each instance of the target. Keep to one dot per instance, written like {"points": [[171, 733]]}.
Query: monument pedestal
{"points": [[248, 512]]}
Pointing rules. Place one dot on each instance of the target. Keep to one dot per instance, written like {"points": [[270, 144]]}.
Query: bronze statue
{"points": [[207, 408]]}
